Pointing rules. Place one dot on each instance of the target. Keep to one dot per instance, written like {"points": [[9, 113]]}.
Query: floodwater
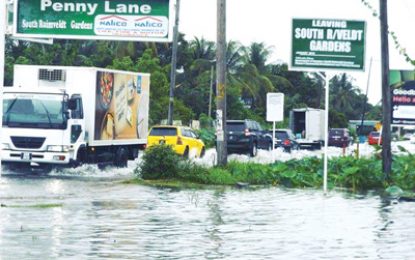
{"points": [[90, 214]]}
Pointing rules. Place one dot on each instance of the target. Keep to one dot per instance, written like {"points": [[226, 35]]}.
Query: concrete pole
{"points": [[173, 64], [221, 84], [386, 93], [2, 44]]}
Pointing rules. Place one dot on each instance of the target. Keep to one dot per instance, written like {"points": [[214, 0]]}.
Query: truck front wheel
{"points": [[81, 158], [121, 157]]}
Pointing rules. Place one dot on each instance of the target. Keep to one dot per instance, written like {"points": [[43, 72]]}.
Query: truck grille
{"points": [[28, 142]]}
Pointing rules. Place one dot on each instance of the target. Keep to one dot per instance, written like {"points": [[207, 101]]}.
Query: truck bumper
{"points": [[239, 146], [25, 157], [312, 145]]}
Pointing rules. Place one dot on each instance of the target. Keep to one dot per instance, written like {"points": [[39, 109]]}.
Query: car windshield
{"points": [[281, 135], [235, 126], [336, 132], [163, 131], [22, 110]]}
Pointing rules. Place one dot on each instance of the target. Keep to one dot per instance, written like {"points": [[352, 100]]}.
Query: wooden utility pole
{"points": [[173, 64], [221, 83], [386, 93]]}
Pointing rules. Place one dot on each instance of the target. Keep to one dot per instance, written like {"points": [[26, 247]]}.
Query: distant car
{"points": [[407, 136], [246, 136], [374, 138], [339, 137], [285, 139], [183, 140]]}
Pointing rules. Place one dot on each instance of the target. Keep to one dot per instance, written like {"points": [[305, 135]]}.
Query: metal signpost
{"points": [[324, 45], [275, 111], [127, 20]]}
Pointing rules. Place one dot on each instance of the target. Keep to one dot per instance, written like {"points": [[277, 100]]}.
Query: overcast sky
{"points": [[269, 21]]}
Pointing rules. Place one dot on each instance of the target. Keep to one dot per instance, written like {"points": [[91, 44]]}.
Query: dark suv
{"points": [[339, 137], [246, 136]]}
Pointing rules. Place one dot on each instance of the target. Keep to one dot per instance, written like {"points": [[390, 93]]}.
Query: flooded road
{"points": [[89, 214]]}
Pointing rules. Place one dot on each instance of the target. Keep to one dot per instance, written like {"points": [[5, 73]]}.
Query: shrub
{"points": [[208, 137], [159, 162]]}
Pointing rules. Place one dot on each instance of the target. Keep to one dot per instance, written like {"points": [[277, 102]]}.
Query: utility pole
{"points": [[365, 100], [2, 44], [210, 91], [386, 94], [173, 64], [221, 84]]}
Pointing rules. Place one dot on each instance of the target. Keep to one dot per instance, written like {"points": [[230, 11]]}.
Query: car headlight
{"points": [[58, 148], [5, 146]]}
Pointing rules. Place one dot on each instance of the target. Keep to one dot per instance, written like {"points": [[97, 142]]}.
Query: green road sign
{"points": [[328, 44], [136, 20]]}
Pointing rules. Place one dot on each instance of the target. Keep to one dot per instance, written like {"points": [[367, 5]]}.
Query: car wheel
{"points": [[186, 153], [254, 150], [121, 158], [269, 146]]}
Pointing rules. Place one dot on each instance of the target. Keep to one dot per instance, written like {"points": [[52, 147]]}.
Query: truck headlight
{"points": [[5, 146], [58, 148]]}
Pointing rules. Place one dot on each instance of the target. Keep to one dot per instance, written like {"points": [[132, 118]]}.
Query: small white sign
{"points": [[275, 107]]}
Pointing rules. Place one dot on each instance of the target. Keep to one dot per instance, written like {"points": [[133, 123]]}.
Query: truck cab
{"points": [[41, 128]]}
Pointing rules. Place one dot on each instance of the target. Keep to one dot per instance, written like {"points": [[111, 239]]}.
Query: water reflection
{"points": [[99, 217]]}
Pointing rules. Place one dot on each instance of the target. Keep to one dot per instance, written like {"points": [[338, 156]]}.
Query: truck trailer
{"points": [[67, 116], [308, 125]]}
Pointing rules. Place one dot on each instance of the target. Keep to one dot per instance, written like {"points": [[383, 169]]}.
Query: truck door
{"points": [[77, 125], [313, 125]]}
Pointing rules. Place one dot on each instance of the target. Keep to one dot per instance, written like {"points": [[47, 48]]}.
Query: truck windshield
{"points": [[33, 111]]}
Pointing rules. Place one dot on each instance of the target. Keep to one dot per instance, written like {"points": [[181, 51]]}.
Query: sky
{"points": [[269, 21]]}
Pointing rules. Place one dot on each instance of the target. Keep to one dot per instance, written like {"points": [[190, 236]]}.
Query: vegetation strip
{"points": [[161, 165]]}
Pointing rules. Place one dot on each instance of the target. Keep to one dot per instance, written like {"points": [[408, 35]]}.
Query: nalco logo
{"points": [[131, 25], [149, 22], [113, 21]]}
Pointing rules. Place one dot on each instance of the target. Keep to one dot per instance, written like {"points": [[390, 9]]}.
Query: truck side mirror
{"points": [[72, 104]]}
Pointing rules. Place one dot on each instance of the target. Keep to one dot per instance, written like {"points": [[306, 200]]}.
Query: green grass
{"points": [[39, 206]]}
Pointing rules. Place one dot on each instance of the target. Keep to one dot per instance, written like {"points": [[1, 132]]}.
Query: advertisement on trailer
{"points": [[121, 106]]}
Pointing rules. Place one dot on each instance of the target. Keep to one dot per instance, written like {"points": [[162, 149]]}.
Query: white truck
{"points": [[308, 125], [67, 116]]}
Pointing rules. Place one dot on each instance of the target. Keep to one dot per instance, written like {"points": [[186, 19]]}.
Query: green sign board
{"points": [[133, 20], [328, 44]]}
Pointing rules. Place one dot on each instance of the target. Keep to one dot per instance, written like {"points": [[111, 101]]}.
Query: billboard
{"points": [[402, 84], [328, 44], [121, 106], [132, 20]]}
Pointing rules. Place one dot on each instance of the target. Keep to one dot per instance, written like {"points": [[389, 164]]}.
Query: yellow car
{"points": [[182, 139]]}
